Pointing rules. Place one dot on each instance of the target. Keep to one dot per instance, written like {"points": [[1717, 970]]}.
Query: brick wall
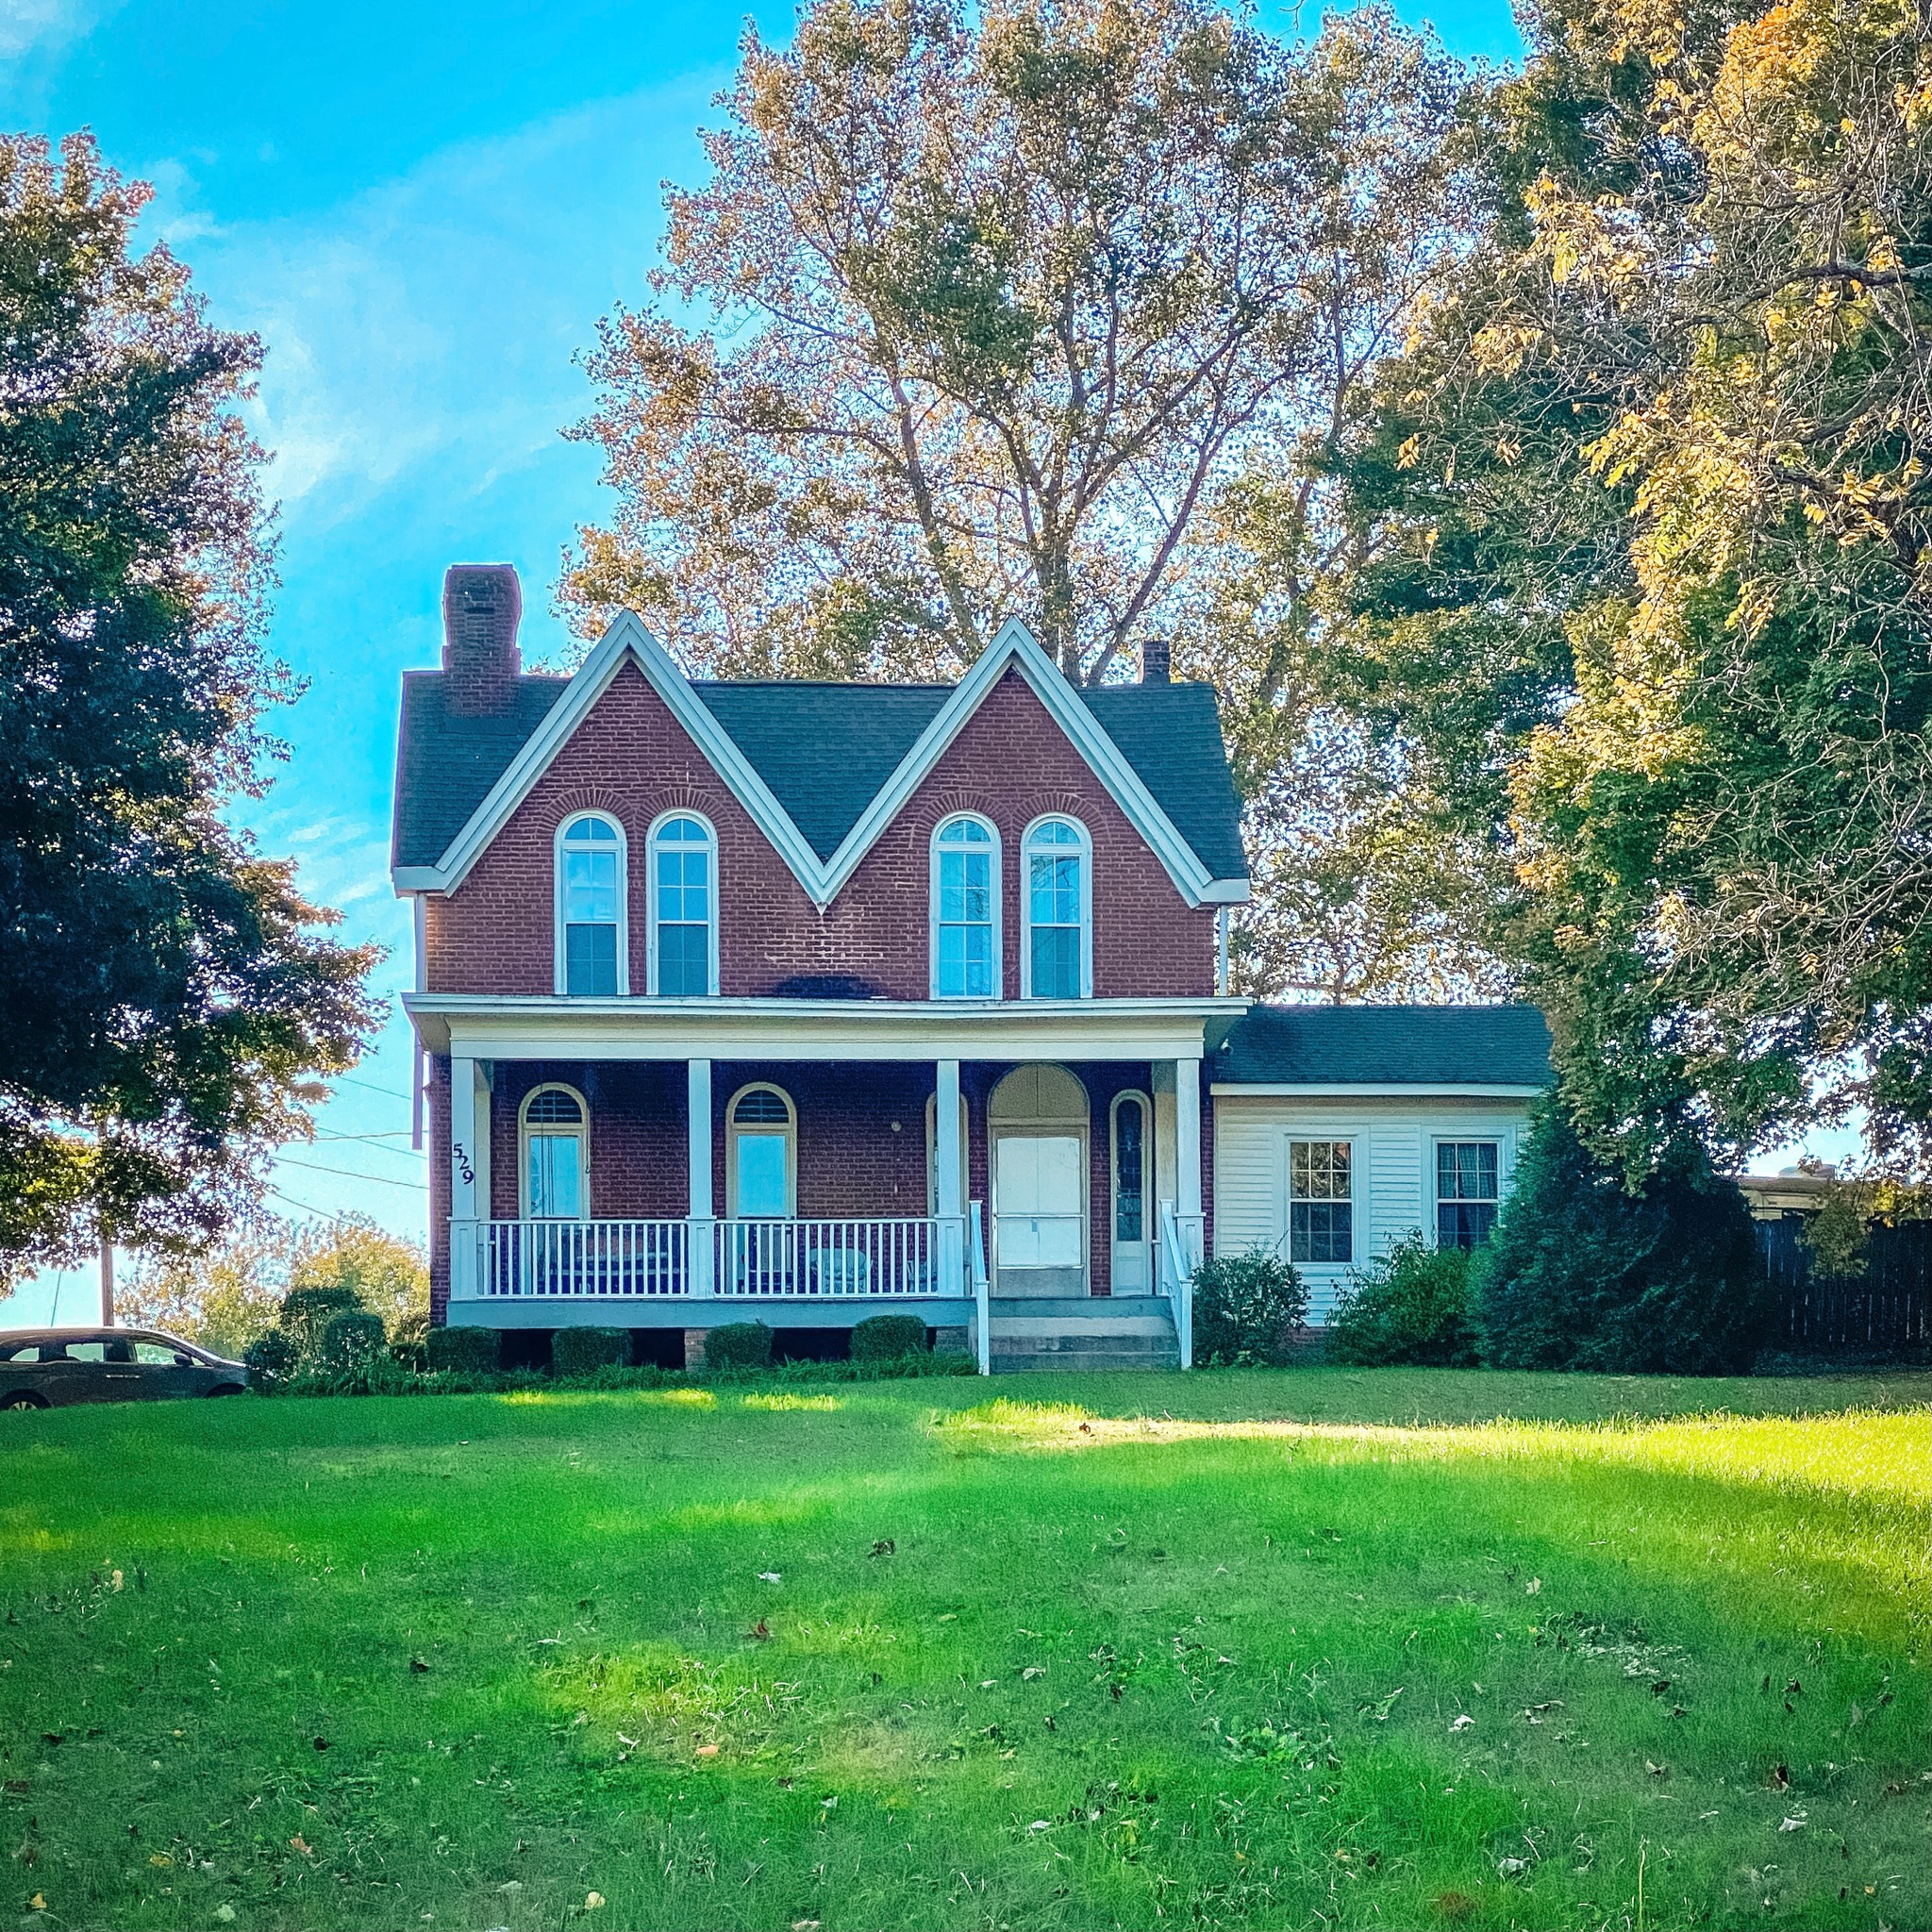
{"points": [[631, 759]]}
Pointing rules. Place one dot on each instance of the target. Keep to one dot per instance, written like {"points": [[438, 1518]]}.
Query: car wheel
{"points": [[227, 1389], [23, 1398]]}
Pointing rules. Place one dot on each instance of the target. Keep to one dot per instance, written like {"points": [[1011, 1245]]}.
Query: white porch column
{"points": [[947, 1158], [1187, 1124], [699, 1227], [465, 1175]]}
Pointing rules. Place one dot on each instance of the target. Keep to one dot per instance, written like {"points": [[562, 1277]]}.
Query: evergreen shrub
{"points": [[888, 1338], [1247, 1309], [464, 1350], [738, 1345], [580, 1351]]}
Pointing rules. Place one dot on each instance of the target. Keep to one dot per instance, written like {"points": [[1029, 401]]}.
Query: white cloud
{"points": [[44, 27]]}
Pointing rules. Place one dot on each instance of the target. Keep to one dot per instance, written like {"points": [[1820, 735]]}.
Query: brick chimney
{"points": [[481, 605], [1154, 665]]}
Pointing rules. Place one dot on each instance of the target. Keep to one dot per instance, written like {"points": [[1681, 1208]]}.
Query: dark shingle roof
{"points": [[824, 749], [1425, 1046], [446, 763]]}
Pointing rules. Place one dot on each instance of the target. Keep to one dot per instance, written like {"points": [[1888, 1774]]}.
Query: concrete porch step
{"points": [[1090, 1334]]}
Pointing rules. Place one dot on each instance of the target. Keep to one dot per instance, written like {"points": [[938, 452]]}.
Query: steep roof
{"points": [[1386, 1047], [825, 750]]}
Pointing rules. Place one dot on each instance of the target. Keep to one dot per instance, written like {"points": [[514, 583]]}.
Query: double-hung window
{"points": [[590, 895], [1321, 1203], [965, 912], [1466, 1193], [1058, 891], [683, 907]]}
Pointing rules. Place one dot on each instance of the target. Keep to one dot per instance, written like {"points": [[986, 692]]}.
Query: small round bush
{"points": [[308, 1311], [464, 1350], [888, 1338], [350, 1343], [271, 1360], [1247, 1309], [738, 1345], [583, 1351], [1410, 1306]]}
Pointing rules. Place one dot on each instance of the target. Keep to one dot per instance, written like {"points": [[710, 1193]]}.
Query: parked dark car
{"points": [[48, 1368]]}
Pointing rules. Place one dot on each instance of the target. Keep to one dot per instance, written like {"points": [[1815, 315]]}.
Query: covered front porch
{"points": [[600, 1170]]}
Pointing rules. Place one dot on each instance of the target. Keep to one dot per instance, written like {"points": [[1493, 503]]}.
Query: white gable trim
{"points": [[1014, 647], [628, 638], [824, 880]]}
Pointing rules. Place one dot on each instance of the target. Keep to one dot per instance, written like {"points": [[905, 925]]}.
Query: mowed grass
{"points": [[1314, 1648]]}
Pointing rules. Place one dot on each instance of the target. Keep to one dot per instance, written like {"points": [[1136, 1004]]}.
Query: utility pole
{"points": [[107, 1281]]}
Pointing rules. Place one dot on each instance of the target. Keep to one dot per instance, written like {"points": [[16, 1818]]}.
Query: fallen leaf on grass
{"points": [[1455, 1904], [593, 1901], [770, 1576], [707, 1751], [884, 1548], [1797, 1821], [37, 1904], [301, 1844], [1656, 1770], [761, 1630], [1510, 1868], [805, 1925], [1032, 1671], [1462, 1722], [159, 1858], [225, 1913]]}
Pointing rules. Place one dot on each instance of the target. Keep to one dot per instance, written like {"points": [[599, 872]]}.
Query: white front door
{"points": [[1040, 1214]]}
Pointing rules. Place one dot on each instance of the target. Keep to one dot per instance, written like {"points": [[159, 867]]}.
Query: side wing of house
{"points": [[1339, 1131]]}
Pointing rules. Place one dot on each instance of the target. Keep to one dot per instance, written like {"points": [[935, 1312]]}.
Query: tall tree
{"points": [[1647, 504], [1001, 300], [169, 1000]]}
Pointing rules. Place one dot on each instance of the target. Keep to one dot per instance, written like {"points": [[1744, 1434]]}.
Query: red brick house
{"points": [[806, 1002]]}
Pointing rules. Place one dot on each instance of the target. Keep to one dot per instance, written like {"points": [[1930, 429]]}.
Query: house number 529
{"points": [[465, 1173]]}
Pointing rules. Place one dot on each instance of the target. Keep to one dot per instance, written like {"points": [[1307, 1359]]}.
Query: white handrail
{"points": [[1177, 1278], [981, 1302]]}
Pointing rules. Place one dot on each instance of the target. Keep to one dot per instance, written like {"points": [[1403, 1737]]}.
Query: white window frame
{"points": [[731, 1132], [657, 824], [1432, 1182], [997, 881], [1085, 852], [583, 1136], [1330, 1137], [558, 844]]}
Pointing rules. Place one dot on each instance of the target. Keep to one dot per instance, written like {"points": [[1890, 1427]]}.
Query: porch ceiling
{"points": [[484, 1026]]}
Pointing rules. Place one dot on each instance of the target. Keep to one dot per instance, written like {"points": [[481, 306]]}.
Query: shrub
{"points": [[1410, 1306], [350, 1343], [1246, 1308], [887, 1338], [1580, 1274], [308, 1311], [464, 1350], [273, 1360], [738, 1345], [578, 1351]]}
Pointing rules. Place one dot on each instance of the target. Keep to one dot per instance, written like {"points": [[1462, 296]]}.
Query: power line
{"points": [[347, 1173]]}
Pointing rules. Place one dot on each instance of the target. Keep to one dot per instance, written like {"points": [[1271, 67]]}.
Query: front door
{"points": [[1040, 1214]]}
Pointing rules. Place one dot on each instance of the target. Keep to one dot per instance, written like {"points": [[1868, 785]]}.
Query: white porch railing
{"points": [[1181, 1239], [982, 1312], [848, 1259]]}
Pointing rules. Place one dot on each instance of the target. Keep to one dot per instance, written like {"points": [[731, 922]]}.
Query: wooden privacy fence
{"points": [[1885, 1310]]}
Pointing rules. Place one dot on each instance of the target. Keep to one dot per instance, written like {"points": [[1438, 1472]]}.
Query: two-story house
{"points": [[806, 1002]]}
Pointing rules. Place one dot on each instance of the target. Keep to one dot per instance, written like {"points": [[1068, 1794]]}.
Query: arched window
{"points": [[1056, 946], [684, 908], [554, 1164], [965, 910], [1132, 1193], [593, 948], [761, 1155]]}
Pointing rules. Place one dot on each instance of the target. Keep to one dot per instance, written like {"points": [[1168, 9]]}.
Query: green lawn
{"points": [[1312, 1648]]}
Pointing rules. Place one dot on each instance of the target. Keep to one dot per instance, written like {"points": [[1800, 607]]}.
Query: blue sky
{"points": [[422, 210]]}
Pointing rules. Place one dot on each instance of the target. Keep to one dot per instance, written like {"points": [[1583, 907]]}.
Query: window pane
{"points": [[1055, 962], [555, 1176], [1128, 1144], [154, 1354], [590, 885], [589, 960], [594, 829], [684, 961], [1055, 884], [760, 1175], [684, 886], [1318, 1170], [1466, 1170], [1320, 1231], [1465, 1224]]}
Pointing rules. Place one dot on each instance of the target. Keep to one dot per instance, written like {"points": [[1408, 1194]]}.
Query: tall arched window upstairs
{"points": [[684, 906], [1057, 907], [965, 938], [592, 943]]}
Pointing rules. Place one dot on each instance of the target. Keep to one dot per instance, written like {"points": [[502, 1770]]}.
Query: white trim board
{"points": [[823, 880], [1370, 1090]]}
